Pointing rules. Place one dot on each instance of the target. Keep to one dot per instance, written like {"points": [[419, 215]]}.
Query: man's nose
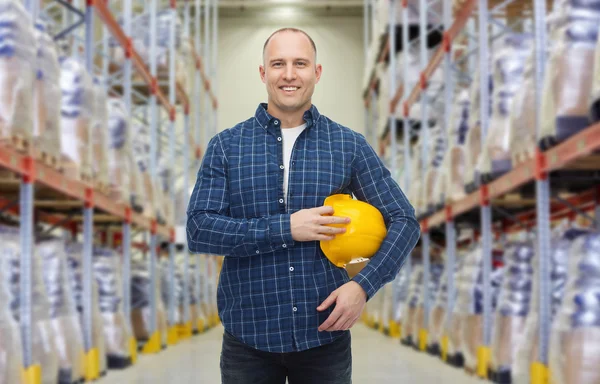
{"points": [[290, 73]]}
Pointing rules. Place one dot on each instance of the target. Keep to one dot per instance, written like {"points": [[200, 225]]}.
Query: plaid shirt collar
{"points": [[267, 121]]}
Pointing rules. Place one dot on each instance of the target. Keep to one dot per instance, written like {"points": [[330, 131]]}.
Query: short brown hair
{"points": [[289, 29]]}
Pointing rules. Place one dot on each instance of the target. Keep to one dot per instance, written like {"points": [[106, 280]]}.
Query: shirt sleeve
{"points": [[373, 183], [211, 230]]}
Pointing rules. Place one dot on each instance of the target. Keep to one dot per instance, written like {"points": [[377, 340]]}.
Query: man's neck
{"points": [[288, 119]]}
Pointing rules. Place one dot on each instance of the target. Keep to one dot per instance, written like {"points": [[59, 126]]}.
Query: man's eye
{"points": [[301, 64], [277, 65]]}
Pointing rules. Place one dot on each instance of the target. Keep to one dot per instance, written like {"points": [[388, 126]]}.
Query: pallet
{"points": [[48, 159], [102, 187], [74, 171], [17, 142]]}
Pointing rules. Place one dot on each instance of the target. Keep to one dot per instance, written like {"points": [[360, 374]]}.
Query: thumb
{"points": [[328, 301]]}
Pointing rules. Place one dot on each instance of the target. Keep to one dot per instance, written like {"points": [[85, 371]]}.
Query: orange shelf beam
{"points": [[17, 162], [204, 76], [578, 146]]}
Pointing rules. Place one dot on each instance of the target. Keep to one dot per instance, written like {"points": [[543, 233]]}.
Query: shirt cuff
{"points": [[280, 231], [369, 280]]}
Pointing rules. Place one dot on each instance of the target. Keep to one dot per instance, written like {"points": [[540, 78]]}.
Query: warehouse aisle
{"points": [[377, 359]]}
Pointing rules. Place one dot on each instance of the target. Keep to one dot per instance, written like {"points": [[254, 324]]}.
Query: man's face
{"points": [[290, 72]]}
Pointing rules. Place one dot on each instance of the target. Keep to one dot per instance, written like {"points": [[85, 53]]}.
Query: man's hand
{"points": [[311, 224], [349, 299]]}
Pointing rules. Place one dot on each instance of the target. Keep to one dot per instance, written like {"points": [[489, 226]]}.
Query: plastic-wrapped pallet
{"points": [[43, 348], [76, 116], [402, 285], [141, 153], [513, 308], [165, 173], [125, 181], [17, 70], [567, 86], [437, 149], [527, 350], [508, 65], [68, 335], [575, 340], [11, 352], [595, 98], [436, 270], [75, 271], [46, 93], [140, 302], [166, 288], [438, 315], [410, 313], [469, 304], [473, 139], [452, 180], [110, 296], [99, 125]]}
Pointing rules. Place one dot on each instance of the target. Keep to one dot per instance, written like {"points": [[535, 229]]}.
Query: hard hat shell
{"points": [[364, 234]]}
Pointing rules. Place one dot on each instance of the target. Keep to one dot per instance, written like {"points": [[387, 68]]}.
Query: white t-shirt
{"points": [[289, 136]]}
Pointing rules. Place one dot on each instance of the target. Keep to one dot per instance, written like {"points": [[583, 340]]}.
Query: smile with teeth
{"points": [[289, 89]]}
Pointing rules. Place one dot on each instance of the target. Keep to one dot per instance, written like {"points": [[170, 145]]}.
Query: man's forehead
{"points": [[296, 37]]}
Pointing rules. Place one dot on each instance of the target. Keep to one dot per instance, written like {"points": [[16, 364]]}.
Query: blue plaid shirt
{"points": [[270, 286]]}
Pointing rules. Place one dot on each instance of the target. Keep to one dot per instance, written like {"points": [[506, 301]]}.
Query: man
{"points": [[259, 201]]}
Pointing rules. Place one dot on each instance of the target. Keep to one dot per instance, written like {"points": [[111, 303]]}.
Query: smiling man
{"points": [[258, 201]]}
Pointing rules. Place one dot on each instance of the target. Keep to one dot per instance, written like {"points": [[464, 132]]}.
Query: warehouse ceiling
{"points": [[238, 8]]}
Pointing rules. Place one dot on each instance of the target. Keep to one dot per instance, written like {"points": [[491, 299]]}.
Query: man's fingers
{"points": [[333, 317], [323, 238], [328, 220], [324, 210], [328, 301], [323, 229]]}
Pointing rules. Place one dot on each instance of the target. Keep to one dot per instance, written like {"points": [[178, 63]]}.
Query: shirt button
{"points": [[281, 201], [279, 139], [276, 122], [284, 245], [295, 309], [291, 269], [257, 251], [281, 167]]}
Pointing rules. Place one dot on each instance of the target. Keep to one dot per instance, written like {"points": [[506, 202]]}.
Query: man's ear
{"points": [[261, 70], [318, 72]]}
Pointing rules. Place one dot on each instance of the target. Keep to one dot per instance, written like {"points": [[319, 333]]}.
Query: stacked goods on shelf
{"points": [[165, 183], [438, 317], [124, 177], [68, 335], [75, 262], [473, 140], [17, 73], [141, 153], [76, 115], [508, 65], [527, 350], [437, 148], [99, 126], [107, 273], [453, 321], [469, 304], [575, 338], [595, 98], [141, 44], [436, 271], [166, 289], [450, 184], [569, 71], [140, 302], [11, 353], [401, 286], [43, 351], [409, 333], [46, 93], [513, 307]]}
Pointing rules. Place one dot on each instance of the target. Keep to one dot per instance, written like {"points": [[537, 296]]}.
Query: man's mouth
{"points": [[288, 89]]}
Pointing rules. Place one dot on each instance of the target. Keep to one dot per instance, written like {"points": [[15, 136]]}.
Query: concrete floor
{"points": [[377, 360]]}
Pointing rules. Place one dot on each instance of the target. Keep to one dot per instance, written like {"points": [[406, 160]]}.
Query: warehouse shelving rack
{"points": [[41, 186], [538, 176]]}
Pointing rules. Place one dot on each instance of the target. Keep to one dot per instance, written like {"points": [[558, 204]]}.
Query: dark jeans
{"points": [[327, 364]]}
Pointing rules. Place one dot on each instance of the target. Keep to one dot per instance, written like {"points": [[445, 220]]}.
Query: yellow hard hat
{"points": [[364, 234]]}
